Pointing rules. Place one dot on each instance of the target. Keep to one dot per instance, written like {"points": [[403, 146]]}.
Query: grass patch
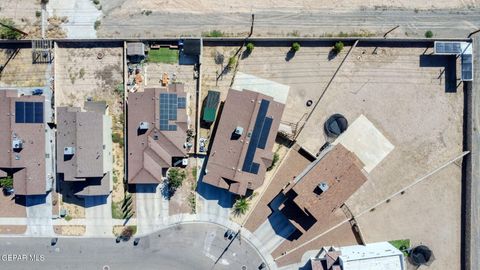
{"points": [[401, 245], [117, 212], [163, 55], [194, 173]]}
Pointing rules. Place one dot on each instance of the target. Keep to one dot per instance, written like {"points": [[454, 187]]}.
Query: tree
{"points": [[241, 206], [295, 47], [7, 31], [275, 159], [7, 182], [232, 61], [429, 34], [175, 179], [338, 47], [250, 47]]}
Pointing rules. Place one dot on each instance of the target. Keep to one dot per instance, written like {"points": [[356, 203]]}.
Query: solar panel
{"points": [[38, 112], [28, 112], [19, 112], [182, 103], [265, 132], [257, 129], [448, 47], [168, 111], [467, 67]]}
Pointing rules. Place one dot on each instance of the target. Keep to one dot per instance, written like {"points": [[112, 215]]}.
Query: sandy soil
{"points": [[180, 201], [73, 230], [13, 229], [20, 71], [9, 208], [211, 6]]}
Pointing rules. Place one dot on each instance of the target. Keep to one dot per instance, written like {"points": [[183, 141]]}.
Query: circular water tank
{"points": [[335, 125], [420, 255]]}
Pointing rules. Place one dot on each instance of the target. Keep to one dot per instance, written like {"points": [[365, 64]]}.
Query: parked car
{"points": [[37, 92]]}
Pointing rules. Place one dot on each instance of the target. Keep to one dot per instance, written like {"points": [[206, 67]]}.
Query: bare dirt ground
{"points": [[10, 208], [20, 71], [403, 94], [183, 201], [13, 229], [69, 230], [211, 6], [85, 71]]}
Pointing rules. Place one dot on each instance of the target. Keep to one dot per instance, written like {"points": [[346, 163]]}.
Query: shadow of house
{"points": [[209, 192], [30, 200], [449, 65]]}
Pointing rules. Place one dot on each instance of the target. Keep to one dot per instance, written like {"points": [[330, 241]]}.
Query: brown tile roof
{"points": [[83, 131], [28, 164], [341, 170], [151, 152], [226, 167]]}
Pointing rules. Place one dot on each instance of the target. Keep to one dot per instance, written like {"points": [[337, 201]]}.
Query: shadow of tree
{"points": [[290, 55]]}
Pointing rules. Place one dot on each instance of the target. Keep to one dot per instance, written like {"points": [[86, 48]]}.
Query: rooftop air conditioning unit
{"points": [[69, 151], [322, 187], [17, 144], [239, 131], [143, 125]]}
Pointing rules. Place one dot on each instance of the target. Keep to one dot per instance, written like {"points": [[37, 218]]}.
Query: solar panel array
{"points": [[467, 67], [259, 137], [28, 112], [168, 111], [182, 103], [448, 47]]}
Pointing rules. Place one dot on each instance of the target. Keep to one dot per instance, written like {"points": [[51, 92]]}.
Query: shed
{"points": [[210, 106], [192, 46], [135, 51]]}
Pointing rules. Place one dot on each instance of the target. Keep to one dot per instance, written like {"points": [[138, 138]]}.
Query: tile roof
{"points": [[340, 169], [151, 151], [84, 132], [239, 162], [28, 164]]}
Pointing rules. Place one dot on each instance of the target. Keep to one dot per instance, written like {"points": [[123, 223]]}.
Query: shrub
{"points": [[97, 24], [175, 179], [117, 138], [250, 47], [96, 2], [6, 182], [232, 61], [67, 218], [429, 34], [7, 33], [295, 47], [241, 206], [38, 13], [213, 33], [338, 47], [275, 159]]}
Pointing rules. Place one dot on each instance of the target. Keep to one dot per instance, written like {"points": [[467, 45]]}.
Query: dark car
{"points": [[37, 92]]}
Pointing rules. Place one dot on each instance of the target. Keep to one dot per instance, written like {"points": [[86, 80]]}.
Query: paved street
{"points": [[189, 246]]}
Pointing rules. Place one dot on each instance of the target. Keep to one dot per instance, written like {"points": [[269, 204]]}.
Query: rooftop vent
{"points": [[69, 151], [17, 144], [239, 131], [143, 126], [321, 188]]}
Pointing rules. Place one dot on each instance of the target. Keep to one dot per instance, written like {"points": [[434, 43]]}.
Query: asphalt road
{"points": [[187, 246], [444, 23]]}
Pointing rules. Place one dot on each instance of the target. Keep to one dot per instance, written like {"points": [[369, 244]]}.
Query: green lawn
{"points": [[117, 212], [163, 55], [401, 245]]}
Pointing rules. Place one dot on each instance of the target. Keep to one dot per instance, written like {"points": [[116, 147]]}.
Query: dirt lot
{"points": [[13, 229], [73, 230], [183, 201], [404, 95], [96, 72], [10, 208], [307, 73], [20, 71]]}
